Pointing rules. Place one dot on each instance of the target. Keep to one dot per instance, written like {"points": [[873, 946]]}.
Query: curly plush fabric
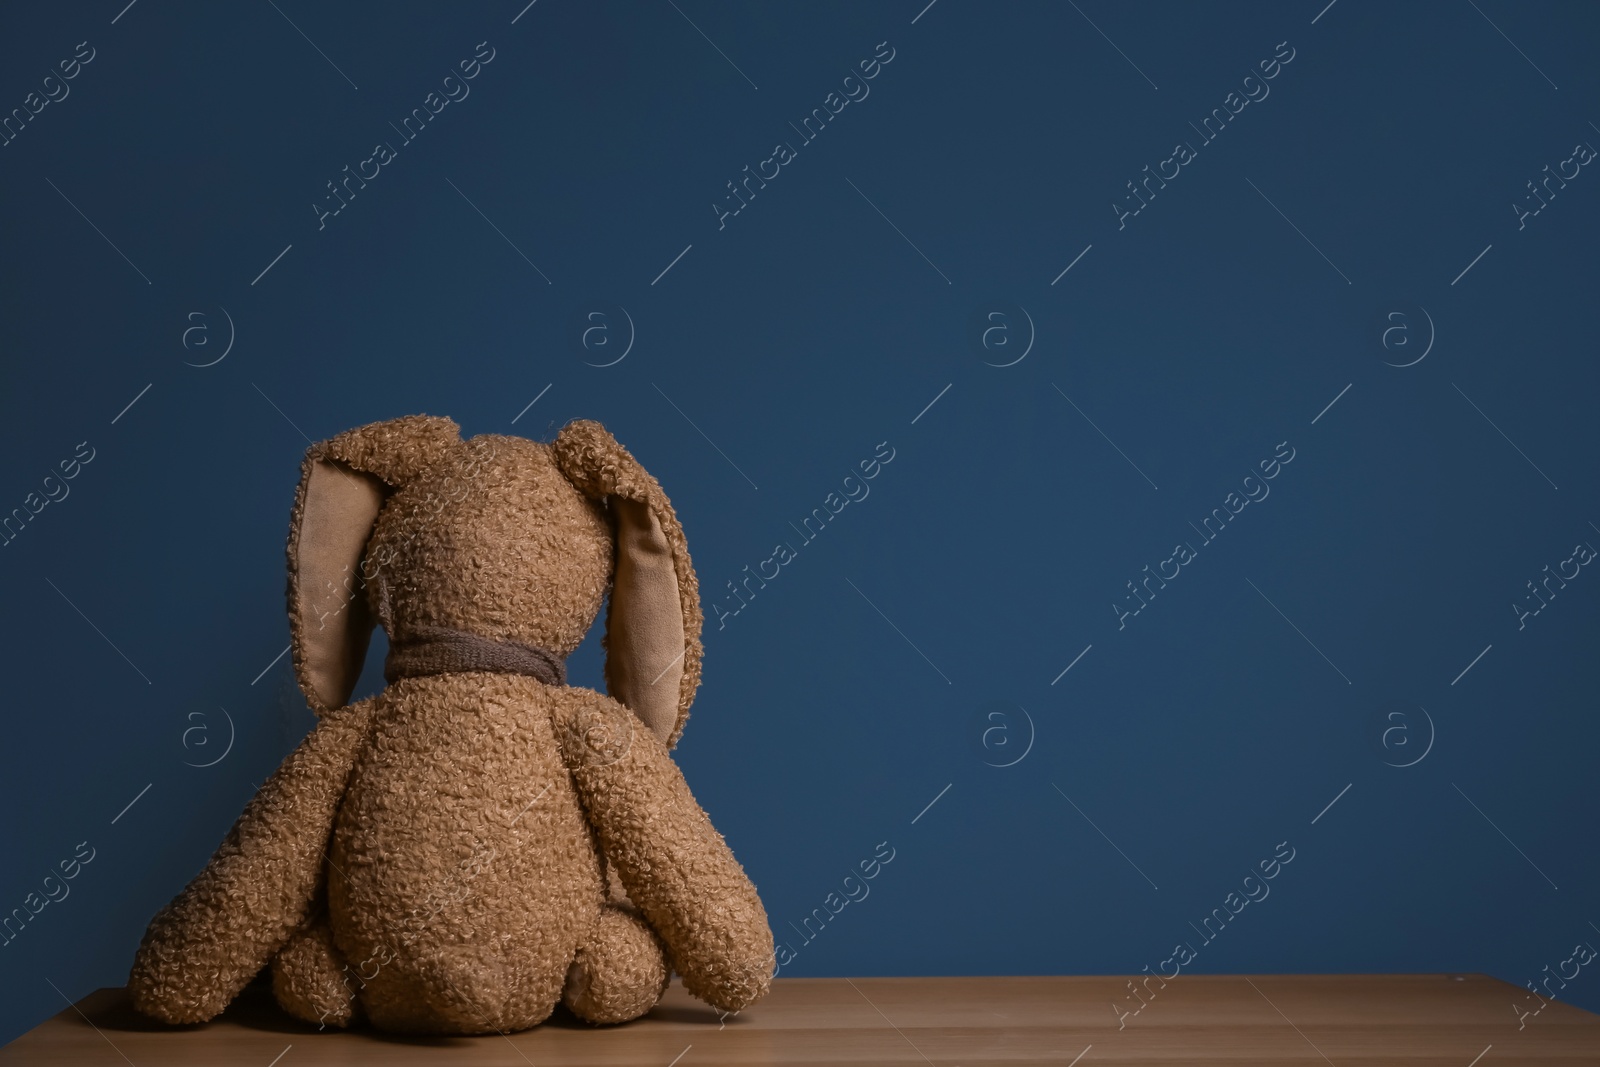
{"points": [[444, 857]]}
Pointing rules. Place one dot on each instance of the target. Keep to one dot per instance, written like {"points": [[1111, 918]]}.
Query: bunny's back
{"points": [[462, 867]]}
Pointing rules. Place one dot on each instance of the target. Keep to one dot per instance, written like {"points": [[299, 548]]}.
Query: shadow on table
{"points": [[255, 1009]]}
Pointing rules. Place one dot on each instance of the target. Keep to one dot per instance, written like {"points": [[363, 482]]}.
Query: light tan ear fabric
{"points": [[343, 484], [652, 641], [644, 630], [330, 622]]}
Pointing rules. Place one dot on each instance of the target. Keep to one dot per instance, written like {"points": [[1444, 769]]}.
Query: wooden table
{"points": [[1439, 1020]]}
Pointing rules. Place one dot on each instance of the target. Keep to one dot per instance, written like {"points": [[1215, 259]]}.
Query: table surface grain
{"points": [[1257, 1020]]}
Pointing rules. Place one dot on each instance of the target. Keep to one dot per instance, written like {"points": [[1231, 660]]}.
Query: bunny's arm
{"points": [[675, 866], [215, 936]]}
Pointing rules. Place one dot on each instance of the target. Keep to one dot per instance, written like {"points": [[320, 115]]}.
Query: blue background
{"points": [[1317, 643]]}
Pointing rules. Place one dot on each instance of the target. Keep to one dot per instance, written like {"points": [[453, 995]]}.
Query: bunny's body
{"points": [[439, 857], [453, 904]]}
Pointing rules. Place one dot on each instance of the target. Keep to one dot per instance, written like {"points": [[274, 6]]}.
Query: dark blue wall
{"points": [[1361, 213]]}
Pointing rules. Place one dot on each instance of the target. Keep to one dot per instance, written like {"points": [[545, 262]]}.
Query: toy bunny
{"points": [[444, 857]]}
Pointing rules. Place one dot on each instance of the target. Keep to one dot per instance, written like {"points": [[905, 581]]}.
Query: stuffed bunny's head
{"points": [[404, 524]]}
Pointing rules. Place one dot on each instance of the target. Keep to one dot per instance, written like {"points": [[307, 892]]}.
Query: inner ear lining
{"points": [[645, 637], [338, 512]]}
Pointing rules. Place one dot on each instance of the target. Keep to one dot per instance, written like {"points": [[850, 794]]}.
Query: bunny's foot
{"points": [[310, 979], [620, 971]]}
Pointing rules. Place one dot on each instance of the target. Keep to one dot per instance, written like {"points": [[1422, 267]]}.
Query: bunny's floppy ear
{"points": [[344, 482], [652, 637]]}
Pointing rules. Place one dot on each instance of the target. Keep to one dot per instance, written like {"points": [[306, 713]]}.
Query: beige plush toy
{"points": [[445, 857]]}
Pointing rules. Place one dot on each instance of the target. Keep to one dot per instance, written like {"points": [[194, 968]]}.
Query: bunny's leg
{"points": [[675, 866], [311, 980], [205, 946], [620, 971]]}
